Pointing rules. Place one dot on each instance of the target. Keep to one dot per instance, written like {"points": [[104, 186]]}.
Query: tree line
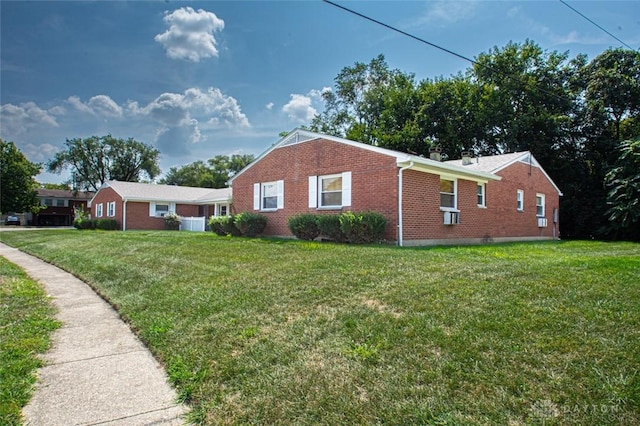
{"points": [[579, 118]]}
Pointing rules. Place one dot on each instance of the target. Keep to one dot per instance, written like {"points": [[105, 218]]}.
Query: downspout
{"points": [[124, 215], [400, 239]]}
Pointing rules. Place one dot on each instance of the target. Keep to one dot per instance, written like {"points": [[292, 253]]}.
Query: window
{"points": [[330, 191], [99, 210], [481, 195], [540, 205], [447, 194], [222, 210], [60, 203], [520, 200], [268, 195], [160, 209], [48, 202], [111, 209]]}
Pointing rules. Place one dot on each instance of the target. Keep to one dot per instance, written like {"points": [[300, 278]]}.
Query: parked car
{"points": [[12, 220]]}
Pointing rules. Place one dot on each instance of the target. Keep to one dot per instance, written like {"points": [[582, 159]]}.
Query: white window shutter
{"points": [[346, 189], [172, 207], [152, 209], [256, 196], [313, 192], [280, 192]]}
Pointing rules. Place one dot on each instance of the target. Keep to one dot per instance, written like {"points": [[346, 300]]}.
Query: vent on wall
{"points": [[451, 218]]}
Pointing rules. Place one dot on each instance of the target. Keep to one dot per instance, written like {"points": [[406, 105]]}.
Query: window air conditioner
{"points": [[542, 222], [451, 218]]}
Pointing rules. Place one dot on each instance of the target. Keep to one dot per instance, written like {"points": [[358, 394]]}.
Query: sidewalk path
{"points": [[96, 372]]}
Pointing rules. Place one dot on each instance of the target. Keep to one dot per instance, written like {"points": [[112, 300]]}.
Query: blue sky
{"points": [[199, 79]]}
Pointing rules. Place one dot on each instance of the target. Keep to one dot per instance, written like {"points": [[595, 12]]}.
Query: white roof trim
{"points": [[532, 162]]}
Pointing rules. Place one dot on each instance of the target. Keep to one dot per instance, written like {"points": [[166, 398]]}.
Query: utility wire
{"points": [[590, 20], [400, 31]]}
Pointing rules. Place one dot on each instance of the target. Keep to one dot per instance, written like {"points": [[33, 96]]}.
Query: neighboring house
{"points": [[143, 206], [496, 198], [59, 205]]}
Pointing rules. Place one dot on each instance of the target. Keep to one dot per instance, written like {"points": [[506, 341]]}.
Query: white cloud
{"points": [[269, 106], [446, 12], [17, 119], [190, 34], [100, 106], [39, 153], [299, 108]]}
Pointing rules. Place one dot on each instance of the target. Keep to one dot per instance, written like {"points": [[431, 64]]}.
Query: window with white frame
{"points": [[160, 209], [99, 210], [481, 195], [47, 202], [223, 209], [330, 191], [447, 194], [520, 200], [61, 203], [268, 196], [111, 209], [540, 205]]}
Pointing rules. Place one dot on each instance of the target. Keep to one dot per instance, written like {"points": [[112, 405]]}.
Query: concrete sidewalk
{"points": [[96, 372]]}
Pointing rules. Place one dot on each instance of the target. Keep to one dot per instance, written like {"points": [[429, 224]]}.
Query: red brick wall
{"points": [[138, 212], [423, 219], [374, 184]]}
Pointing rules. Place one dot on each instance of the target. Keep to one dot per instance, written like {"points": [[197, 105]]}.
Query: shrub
{"points": [[105, 224], [329, 226], [223, 225], [172, 221], [304, 226], [250, 224], [363, 228], [84, 224]]}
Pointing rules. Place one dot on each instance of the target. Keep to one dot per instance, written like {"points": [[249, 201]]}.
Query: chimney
{"points": [[434, 153], [466, 158]]}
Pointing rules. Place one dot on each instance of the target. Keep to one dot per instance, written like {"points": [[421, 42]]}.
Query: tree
{"points": [[623, 182], [96, 160], [17, 180], [354, 109], [215, 174]]}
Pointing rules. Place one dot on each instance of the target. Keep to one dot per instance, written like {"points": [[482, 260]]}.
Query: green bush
{"points": [[106, 224], [84, 224], [329, 226], [363, 228], [223, 225], [304, 226], [172, 221], [250, 224]]}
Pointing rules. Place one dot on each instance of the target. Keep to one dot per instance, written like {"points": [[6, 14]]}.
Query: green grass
{"points": [[26, 321], [281, 332]]}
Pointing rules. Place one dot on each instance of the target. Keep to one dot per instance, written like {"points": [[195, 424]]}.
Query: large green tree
{"points": [[17, 180], [214, 174], [98, 159], [623, 182]]}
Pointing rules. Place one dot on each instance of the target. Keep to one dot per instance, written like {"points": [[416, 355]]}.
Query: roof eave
{"points": [[443, 169]]}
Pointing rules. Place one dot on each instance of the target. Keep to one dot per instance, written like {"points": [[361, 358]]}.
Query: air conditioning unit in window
{"points": [[542, 222], [451, 218]]}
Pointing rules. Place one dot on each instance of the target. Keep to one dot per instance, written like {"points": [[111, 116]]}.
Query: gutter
{"points": [[124, 214], [400, 239]]}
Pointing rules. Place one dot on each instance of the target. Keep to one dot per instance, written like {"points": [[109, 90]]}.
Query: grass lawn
{"points": [[291, 332], [26, 322]]}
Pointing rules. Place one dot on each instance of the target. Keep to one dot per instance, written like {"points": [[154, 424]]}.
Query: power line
{"points": [[401, 32], [590, 20]]}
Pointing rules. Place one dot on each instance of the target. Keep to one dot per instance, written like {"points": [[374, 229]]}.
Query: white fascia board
{"points": [[534, 163], [445, 170]]}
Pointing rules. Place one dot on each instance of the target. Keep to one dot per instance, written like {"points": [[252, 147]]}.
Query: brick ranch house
{"points": [[497, 198], [143, 206]]}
